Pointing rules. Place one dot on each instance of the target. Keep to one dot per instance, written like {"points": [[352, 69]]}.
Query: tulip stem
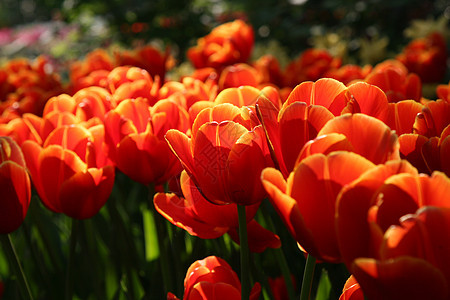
{"points": [[11, 253], [308, 275], [71, 258], [245, 261], [161, 234]]}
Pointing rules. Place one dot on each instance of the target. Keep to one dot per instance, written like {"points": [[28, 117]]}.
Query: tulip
{"points": [[426, 57], [359, 133], [392, 225], [69, 172], [306, 201], [207, 221], [295, 121], [135, 136], [310, 65], [224, 160], [352, 290], [394, 79], [15, 186], [213, 278], [225, 45]]}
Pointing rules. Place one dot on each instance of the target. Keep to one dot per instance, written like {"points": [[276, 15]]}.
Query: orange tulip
{"points": [[359, 133], [435, 116], [348, 73], [426, 57], [414, 263], [213, 278], [325, 92], [201, 218], [295, 121], [225, 45], [443, 91], [394, 79], [306, 201], [132, 82], [70, 172], [367, 99], [15, 186], [224, 160], [310, 65], [238, 75], [402, 115], [147, 57], [374, 216], [135, 136], [352, 290]]}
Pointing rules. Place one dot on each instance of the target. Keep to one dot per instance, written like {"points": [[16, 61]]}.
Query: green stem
{"points": [[280, 257], [285, 272], [163, 252], [11, 253], [71, 259], [245, 261], [308, 277]]}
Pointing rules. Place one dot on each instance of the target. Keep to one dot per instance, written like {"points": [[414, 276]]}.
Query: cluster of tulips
{"points": [[354, 160]]}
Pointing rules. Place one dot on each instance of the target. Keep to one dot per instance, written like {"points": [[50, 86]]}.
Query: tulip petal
{"points": [[85, 193], [369, 136], [179, 212], [400, 278], [179, 143], [315, 184], [299, 123], [352, 208], [15, 187], [411, 150], [287, 208], [402, 115], [259, 238], [238, 96], [371, 100]]}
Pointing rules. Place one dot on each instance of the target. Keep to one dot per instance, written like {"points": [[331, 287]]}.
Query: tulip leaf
{"points": [[150, 236], [324, 287]]}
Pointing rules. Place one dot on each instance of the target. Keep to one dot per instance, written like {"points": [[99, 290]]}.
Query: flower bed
{"points": [[322, 179]]}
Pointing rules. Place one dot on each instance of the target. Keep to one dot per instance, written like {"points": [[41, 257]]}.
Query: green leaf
{"points": [[324, 288], [150, 236]]}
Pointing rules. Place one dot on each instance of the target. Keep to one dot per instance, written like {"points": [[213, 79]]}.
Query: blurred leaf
{"points": [[324, 287]]}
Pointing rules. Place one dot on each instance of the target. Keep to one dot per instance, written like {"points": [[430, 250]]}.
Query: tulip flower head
{"points": [[15, 186]]}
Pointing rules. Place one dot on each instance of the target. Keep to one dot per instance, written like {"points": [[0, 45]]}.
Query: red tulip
{"points": [[434, 117], [352, 290], [69, 172], [213, 279], [359, 133], [348, 73], [310, 65], [393, 78], [225, 45], [224, 160], [15, 186], [238, 75], [325, 92], [443, 91], [402, 115], [135, 136], [426, 57], [201, 218], [295, 121], [306, 201], [381, 237], [131, 83], [367, 99]]}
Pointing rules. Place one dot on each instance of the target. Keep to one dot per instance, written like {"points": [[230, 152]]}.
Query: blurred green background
{"points": [[71, 28]]}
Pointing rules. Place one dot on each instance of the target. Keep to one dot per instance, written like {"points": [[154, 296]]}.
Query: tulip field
{"points": [[130, 176]]}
